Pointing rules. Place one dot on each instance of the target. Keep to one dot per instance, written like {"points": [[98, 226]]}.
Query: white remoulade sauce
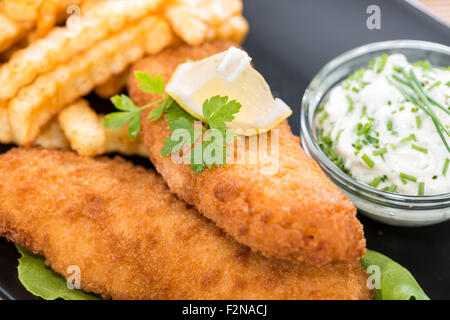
{"points": [[388, 126]]}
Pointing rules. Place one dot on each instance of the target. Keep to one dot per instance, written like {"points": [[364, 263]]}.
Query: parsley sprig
{"points": [[128, 111], [217, 110]]}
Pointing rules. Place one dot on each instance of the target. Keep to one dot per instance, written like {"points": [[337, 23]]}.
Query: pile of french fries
{"points": [[54, 52]]}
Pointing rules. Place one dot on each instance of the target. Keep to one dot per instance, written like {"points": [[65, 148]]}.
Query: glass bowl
{"points": [[390, 208]]}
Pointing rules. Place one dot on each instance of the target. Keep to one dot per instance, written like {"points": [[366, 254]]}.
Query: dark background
{"points": [[290, 40]]}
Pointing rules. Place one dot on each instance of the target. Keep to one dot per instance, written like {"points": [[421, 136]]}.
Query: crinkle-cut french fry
{"points": [[235, 29], [63, 43], [7, 54], [10, 32], [6, 135], [52, 137], [112, 86], [87, 4], [196, 21], [64, 6], [158, 37], [26, 11], [212, 12], [37, 103], [83, 129], [119, 141], [48, 14], [155, 41], [187, 26]]}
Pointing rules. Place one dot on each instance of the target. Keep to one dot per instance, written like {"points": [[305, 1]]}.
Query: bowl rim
{"points": [[310, 144]]}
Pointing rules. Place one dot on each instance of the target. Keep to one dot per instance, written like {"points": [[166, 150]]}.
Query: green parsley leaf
{"points": [[135, 126], [117, 120], [171, 146], [175, 112], [217, 111], [157, 113], [130, 114], [150, 84], [182, 123], [197, 150], [123, 102]]}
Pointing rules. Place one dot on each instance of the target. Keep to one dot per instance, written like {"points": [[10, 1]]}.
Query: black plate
{"points": [[290, 40]]}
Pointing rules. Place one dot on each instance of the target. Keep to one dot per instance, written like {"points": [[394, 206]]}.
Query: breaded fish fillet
{"points": [[295, 214], [133, 239]]}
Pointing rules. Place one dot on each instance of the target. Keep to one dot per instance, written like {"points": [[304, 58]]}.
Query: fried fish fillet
{"points": [[295, 214], [133, 239]]}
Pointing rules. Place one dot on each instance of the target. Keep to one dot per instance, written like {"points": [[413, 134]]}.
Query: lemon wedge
{"points": [[228, 74]]}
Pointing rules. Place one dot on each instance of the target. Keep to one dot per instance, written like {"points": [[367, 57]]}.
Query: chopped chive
{"points": [[418, 122], [420, 149], [389, 125], [445, 169], [391, 188], [436, 84], [363, 129], [418, 88], [375, 182], [351, 103], [408, 177], [384, 58], [378, 63], [421, 189], [323, 117], [373, 140], [368, 161], [336, 140], [424, 64], [411, 137], [424, 107], [379, 152], [364, 111], [358, 145]]}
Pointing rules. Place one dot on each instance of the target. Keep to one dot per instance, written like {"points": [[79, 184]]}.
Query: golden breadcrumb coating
{"points": [[133, 239], [296, 214]]}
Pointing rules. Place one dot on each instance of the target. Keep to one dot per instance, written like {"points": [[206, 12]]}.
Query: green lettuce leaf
{"points": [[44, 282], [396, 282]]}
